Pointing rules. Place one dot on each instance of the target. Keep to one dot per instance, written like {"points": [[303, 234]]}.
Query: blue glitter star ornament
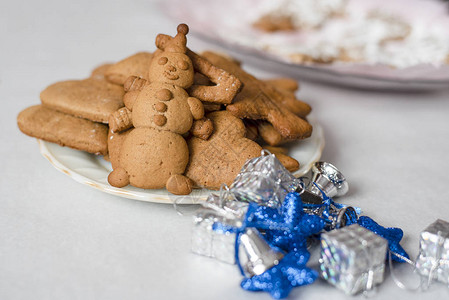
{"points": [[280, 279], [286, 228], [289, 228], [391, 234]]}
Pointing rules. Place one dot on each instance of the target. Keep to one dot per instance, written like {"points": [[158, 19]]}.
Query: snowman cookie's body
{"points": [[154, 154]]}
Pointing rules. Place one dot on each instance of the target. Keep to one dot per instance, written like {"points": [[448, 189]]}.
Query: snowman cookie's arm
{"points": [[133, 85], [202, 128], [196, 108], [120, 120]]}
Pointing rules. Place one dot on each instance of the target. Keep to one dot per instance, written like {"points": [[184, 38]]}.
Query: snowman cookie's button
{"points": [[163, 60], [160, 107], [164, 95], [159, 120]]}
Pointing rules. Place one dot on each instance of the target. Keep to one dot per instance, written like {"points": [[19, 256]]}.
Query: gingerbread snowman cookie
{"points": [[154, 154]]}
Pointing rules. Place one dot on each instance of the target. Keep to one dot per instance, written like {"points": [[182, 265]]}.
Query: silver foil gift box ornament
{"points": [[433, 257], [353, 258], [327, 178], [264, 180], [209, 242]]}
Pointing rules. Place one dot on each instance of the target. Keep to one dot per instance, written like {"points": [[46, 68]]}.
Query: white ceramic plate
{"points": [[93, 170]]}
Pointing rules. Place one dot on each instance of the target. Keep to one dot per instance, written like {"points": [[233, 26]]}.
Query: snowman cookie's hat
{"points": [[176, 44]]}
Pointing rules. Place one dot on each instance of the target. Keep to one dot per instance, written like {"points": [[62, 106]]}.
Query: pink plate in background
{"points": [[220, 24]]}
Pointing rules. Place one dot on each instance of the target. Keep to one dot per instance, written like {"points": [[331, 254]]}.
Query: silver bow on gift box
{"points": [[265, 181]]}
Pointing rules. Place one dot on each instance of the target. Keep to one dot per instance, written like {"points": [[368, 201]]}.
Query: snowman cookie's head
{"points": [[170, 63], [172, 68]]}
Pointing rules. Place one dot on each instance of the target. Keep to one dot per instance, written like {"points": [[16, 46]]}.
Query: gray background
{"points": [[63, 240]]}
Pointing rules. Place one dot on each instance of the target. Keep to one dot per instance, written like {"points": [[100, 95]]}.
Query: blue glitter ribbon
{"points": [[392, 234]]}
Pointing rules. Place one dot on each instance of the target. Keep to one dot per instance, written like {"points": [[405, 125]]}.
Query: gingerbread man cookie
{"points": [[219, 159], [261, 101]]}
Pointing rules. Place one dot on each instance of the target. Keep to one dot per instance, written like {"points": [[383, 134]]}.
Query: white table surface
{"points": [[63, 240]]}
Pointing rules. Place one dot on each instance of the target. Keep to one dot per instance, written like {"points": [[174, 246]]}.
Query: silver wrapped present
{"points": [[264, 180], [217, 244], [353, 258], [433, 257]]}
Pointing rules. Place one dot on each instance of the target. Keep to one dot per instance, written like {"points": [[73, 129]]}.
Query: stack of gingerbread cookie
{"points": [[171, 118]]}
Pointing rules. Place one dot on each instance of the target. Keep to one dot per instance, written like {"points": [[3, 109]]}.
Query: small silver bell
{"points": [[260, 255], [345, 216], [329, 179]]}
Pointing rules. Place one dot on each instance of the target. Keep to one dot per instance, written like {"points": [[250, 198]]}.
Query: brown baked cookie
{"points": [[302, 58], [99, 72], [252, 132], [202, 128], [219, 159], [154, 154], [283, 83], [115, 142], [259, 100], [272, 23], [200, 79], [279, 150], [210, 107], [287, 88], [91, 99], [270, 135], [135, 65], [288, 162], [171, 113], [149, 157], [56, 127]]}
